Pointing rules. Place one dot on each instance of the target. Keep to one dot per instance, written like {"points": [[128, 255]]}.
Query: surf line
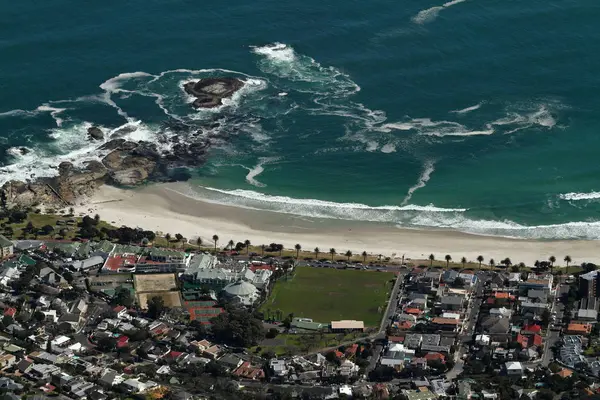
{"points": [[428, 169]]}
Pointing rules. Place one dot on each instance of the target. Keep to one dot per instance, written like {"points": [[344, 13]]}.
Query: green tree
{"points": [[316, 250], [431, 260], [237, 327], [179, 237], [506, 262], [463, 261], [215, 239], [480, 260], [262, 250], [348, 254], [199, 241], [122, 297], [247, 246], [364, 255], [298, 247], [492, 263], [230, 244], [552, 260], [332, 252], [156, 306], [448, 258], [568, 261], [168, 237]]}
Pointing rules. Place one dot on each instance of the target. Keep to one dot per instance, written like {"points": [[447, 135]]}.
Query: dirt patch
{"points": [[154, 282], [171, 299]]}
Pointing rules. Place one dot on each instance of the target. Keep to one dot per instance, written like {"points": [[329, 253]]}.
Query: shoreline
{"points": [[162, 208]]}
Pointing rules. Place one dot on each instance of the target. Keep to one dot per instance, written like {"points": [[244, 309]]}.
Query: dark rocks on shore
{"points": [[210, 92], [95, 133]]}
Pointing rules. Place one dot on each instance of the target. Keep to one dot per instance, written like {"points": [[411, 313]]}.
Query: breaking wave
{"points": [[468, 109], [573, 196]]}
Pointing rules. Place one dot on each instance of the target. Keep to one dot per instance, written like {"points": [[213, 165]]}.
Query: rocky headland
{"points": [[123, 163], [210, 92]]}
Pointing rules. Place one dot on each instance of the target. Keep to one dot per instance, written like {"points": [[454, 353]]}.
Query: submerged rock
{"points": [[210, 92]]}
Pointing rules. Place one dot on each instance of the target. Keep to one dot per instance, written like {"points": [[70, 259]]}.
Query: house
{"points": [[564, 373], [406, 317], [348, 368], [452, 302], [420, 304], [419, 362], [446, 324], [110, 378], [502, 311], [89, 263], [482, 340], [136, 386], [347, 325], [397, 355], [230, 361], [514, 368], [536, 295], [42, 371], [279, 367], [7, 360], [247, 371], [579, 329], [413, 341], [421, 393], [495, 326], [531, 329], [433, 357], [121, 311], [6, 248], [527, 307], [7, 386], [539, 282]]}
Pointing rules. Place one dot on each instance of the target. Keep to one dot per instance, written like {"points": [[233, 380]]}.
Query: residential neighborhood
{"points": [[103, 320]]}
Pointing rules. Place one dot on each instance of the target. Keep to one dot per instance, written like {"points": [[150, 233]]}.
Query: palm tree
{"points": [[247, 244], [215, 239], [492, 263], [522, 266], [199, 241], [230, 244], [332, 252], [463, 261], [168, 237], [348, 254], [480, 260], [364, 254], [298, 248], [536, 264], [552, 260], [448, 258], [568, 261], [507, 263], [316, 250], [262, 249], [431, 258]]}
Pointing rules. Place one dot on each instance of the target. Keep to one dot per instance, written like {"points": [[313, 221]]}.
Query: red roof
{"points": [[118, 309], [174, 354], [248, 371], [338, 354], [350, 351], [532, 328], [404, 325], [413, 311], [522, 340], [10, 311], [435, 356], [122, 341], [114, 263], [491, 300], [537, 340]]}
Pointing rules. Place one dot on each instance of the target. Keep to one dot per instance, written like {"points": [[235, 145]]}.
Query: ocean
{"points": [[474, 115]]}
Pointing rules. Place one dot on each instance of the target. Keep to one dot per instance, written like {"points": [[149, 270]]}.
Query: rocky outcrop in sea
{"points": [[210, 92]]}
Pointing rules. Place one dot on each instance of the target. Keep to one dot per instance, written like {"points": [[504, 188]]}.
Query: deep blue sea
{"points": [[476, 115]]}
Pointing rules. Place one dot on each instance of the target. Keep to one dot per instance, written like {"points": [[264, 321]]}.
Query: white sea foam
{"points": [[467, 109], [523, 117], [282, 61], [573, 196], [54, 112], [259, 169], [388, 148], [430, 14], [427, 127], [428, 169], [114, 85]]}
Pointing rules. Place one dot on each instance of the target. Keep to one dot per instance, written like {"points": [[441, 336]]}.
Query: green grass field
{"points": [[325, 294]]}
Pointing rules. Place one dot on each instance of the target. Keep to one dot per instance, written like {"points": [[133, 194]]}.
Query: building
{"points": [[538, 282], [589, 284], [244, 292], [7, 360], [279, 367], [514, 368], [307, 324], [587, 315], [6, 248], [452, 302], [579, 329], [89, 263], [422, 393], [347, 325], [445, 324]]}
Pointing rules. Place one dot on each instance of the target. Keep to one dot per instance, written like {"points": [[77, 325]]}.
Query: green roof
{"points": [[309, 326], [4, 242], [27, 260], [105, 246], [208, 303], [156, 252], [125, 249]]}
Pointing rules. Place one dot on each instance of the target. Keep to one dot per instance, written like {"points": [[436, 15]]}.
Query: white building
{"points": [[514, 368], [246, 293], [6, 247]]}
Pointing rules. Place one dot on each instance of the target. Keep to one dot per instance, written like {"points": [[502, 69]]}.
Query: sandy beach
{"points": [[162, 208]]}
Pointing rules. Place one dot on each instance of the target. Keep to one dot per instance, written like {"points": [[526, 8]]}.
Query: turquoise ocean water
{"points": [[477, 115]]}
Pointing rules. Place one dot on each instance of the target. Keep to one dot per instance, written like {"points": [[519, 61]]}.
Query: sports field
{"points": [[325, 295]]}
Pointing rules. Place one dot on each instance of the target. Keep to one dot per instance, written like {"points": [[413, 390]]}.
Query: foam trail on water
{"points": [[467, 109], [430, 14], [54, 112], [258, 169], [428, 169], [113, 85], [574, 196], [427, 127]]}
